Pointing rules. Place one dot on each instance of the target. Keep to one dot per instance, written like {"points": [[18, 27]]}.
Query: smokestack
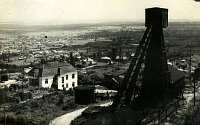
{"points": [[72, 61], [120, 53], [113, 53]]}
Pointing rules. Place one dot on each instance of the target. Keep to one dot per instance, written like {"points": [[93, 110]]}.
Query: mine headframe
{"points": [[150, 52]]}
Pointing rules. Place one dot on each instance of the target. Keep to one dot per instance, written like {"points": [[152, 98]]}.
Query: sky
{"points": [[93, 11]]}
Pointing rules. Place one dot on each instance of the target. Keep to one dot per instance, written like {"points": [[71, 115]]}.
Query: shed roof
{"points": [[175, 74]]}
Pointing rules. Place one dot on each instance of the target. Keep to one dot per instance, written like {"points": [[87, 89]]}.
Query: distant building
{"points": [[105, 59], [57, 74], [89, 61], [3, 77], [177, 80]]}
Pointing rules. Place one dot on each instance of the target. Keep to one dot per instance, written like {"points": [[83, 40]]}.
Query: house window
{"points": [[46, 81], [73, 84], [73, 75], [66, 77], [62, 79], [66, 85]]}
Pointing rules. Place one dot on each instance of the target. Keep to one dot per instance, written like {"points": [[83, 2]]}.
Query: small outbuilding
{"points": [[84, 95], [177, 81], [4, 77]]}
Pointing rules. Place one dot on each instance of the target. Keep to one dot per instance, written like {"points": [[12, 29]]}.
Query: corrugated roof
{"points": [[175, 73]]}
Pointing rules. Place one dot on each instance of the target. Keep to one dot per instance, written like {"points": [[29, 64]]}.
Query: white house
{"points": [[57, 74]]}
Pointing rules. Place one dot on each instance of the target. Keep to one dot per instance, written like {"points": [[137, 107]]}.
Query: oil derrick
{"points": [[151, 52]]}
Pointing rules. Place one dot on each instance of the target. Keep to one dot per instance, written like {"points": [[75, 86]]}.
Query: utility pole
{"points": [[194, 84], [23, 78], [194, 87], [4, 101], [190, 63], [4, 115]]}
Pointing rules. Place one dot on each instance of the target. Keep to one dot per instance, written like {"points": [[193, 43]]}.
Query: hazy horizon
{"points": [[89, 23], [93, 11]]}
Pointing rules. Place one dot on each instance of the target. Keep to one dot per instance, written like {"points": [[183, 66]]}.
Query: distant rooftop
{"points": [[175, 73]]}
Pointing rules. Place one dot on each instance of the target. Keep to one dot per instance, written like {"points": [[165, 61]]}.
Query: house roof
{"points": [[34, 72], [106, 58], [175, 73], [51, 68]]}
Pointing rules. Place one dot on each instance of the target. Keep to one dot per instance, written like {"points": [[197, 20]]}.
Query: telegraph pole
{"points": [[194, 84], [190, 63], [194, 77], [194, 87], [4, 115]]}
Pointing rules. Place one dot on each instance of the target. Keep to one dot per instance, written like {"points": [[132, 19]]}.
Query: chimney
{"points": [[58, 71], [42, 61]]}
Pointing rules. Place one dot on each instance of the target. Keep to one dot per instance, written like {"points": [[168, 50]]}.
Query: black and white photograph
{"points": [[100, 62]]}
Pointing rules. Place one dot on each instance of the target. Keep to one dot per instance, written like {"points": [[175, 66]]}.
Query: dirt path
{"points": [[67, 118]]}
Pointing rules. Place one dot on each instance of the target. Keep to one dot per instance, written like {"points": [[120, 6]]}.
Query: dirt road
{"points": [[67, 118]]}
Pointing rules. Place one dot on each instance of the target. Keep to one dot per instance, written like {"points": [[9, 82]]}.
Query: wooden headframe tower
{"points": [[150, 52]]}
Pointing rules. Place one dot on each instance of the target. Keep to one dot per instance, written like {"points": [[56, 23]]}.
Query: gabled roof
{"points": [[175, 74], [34, 72], [51, 68]]}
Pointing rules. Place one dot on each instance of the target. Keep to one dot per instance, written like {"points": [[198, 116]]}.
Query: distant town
{"points": [[48, 72]]}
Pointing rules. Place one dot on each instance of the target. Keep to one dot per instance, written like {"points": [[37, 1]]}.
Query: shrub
{"points": [[70, 92], [69, 105], [61, 100], [35, 104]]}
